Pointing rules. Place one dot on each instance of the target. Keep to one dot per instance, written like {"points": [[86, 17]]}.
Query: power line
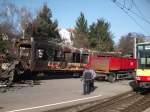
{"points": [[142, 16], [137, 8], [129, 10], [130, 6], [133, 19]]}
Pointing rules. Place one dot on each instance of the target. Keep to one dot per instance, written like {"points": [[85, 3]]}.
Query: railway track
{"points": [[127, 102], [131, 102]]}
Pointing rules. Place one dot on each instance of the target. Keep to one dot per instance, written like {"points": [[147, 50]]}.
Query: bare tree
{"points": [[126, 43], [8, 15], [25, 19], [8, 12]]}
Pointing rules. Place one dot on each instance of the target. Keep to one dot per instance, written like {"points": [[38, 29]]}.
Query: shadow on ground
{"points": [[30, 81], [54, 75]]}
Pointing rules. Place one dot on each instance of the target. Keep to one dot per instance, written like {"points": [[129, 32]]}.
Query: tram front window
{"points": [[144, 59]]}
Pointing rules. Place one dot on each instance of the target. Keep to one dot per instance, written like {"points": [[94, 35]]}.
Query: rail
{"points": [[127, 102]]}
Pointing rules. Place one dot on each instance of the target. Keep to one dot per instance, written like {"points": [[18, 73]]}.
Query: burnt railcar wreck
{"points": [[34, 57]]}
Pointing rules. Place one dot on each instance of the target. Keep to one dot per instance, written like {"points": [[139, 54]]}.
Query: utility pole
{"points": [[23, 32], [134, 51]]}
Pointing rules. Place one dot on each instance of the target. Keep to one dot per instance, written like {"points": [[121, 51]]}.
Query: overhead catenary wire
{"points": [[141, 16], [137, 8], [140, 12], [125, 10], [129, 6]]}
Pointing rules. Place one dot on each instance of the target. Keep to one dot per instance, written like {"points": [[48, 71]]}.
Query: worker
{"points": [[87, 79]]}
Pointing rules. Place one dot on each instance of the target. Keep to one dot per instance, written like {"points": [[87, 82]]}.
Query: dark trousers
{"points": [[92, 85], [87, 87]]}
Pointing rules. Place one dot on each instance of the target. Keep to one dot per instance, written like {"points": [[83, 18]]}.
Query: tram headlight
{"points": [[138, 78]]}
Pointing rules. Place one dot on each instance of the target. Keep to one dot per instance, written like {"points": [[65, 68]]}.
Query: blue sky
{"points": [[67, 11]]}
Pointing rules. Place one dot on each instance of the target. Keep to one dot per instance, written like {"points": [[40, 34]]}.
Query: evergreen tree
{"points": [[81, 32], [43, 27], [81, 24], [100, 36]]}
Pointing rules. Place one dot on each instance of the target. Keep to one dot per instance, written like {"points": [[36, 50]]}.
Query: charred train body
{"points": [[43, 56]]}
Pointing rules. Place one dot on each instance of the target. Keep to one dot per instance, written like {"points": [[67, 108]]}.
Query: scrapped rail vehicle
{"points": [[34, 57], [143, 68], [113, 67]]}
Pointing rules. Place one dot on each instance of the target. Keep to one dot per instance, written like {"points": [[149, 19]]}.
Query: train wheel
{"points": [[137, 87], [111, 77]]}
